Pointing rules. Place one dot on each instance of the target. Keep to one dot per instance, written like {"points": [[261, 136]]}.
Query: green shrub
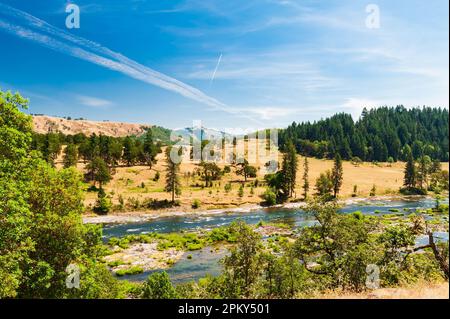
{"points": [[130, 271], [191, 247], [116, 263], [241, 191], [103, 204], [373, 191], [412, 191], [195, 204], [158, 286], [270, 197]]}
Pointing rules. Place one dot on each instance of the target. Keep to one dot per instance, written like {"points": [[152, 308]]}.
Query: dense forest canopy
{"points": [[380, 134]]}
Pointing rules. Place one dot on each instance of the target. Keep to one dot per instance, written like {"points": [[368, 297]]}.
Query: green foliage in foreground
{"points": [[41, 230], [331, 255], [41, 233]]}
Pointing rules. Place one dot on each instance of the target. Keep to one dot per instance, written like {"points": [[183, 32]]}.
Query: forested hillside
{"points": [[381, 134]]}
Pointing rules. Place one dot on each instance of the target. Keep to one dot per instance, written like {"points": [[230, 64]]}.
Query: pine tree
{"points": [[423, 171], [70, 155], [173, 184], [149, 149], [410, 172], [98, 171], [130, 151], [289, 169], [337, 175], [305, 178]]}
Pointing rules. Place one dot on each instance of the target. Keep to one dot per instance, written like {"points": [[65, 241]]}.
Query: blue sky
{"points": [[281, 60]]}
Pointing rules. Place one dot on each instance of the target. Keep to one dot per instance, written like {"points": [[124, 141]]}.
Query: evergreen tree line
{"points": [[382, 134], [423, 175], [282, 184], [130, 150]]}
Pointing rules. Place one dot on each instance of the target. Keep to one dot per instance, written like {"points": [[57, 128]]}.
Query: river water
{"points": [[206, 260]]}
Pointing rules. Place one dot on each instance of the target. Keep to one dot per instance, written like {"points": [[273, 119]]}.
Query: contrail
{"points": [[64, 42], [215, 70]]}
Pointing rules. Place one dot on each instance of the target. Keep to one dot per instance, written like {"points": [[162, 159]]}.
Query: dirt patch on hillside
{"points": [[44, 124]]}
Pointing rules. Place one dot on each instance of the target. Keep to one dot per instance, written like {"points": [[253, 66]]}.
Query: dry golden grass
{"points": [[417, 291], [127, 183]]}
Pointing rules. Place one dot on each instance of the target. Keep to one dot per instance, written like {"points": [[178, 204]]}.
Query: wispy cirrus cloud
{"points": [[34, 29], [94, 101]]}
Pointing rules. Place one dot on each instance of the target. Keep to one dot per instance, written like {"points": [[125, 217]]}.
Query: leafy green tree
{"points": [[15, 214], [41, 229], [338, 247], [245, 169], [70, 156], [241, 266], [210, 172], [324, 184], [158, 286]]}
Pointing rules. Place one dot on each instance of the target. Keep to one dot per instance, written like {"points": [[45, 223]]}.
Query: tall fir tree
{"points": [[70, 155], [305, 178], [150, 150], [423, 171], [410, 172], [289, 169], [337, 175], [173, 184]]}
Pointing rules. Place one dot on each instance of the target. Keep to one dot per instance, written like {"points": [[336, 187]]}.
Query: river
{"points": [[205, 261]]}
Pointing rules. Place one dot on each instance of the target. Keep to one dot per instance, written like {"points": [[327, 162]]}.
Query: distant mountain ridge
{"points": [[200, 133], [45, 124]]}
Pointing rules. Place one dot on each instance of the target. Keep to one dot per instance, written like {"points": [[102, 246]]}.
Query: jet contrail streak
{"points": [[215, 70], [34, 29], [95, 53]]}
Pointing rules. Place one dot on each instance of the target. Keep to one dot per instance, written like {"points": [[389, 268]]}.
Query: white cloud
{"points": [[265, 112], [94, 101], [355, 105]]}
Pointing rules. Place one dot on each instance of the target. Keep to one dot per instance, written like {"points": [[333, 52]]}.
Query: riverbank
{"points": [[144, 216]]}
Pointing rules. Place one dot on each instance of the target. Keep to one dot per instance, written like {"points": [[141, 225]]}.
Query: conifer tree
{"points": [[337, 174], [70, 155], [410, 172], [305, 178], [173, 184]]}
